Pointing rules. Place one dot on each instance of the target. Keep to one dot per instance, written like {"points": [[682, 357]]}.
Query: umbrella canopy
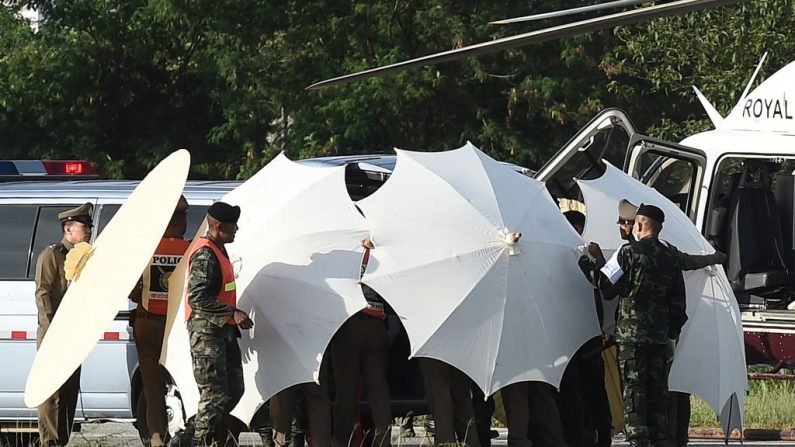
{"points": [[298, 257], [710, 357], [118, 257], [499, 311]]}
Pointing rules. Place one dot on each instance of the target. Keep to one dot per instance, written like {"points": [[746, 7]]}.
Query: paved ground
{"points": [[124, 435]]}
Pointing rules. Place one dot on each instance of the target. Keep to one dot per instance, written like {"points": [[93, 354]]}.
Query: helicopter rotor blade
{"points": [[566, 12], [555, 32]]}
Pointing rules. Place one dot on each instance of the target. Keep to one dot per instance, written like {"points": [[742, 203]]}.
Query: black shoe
{"points": [[407, 431], [198, 442], [603, 438], [183, 438], [297, 440]]}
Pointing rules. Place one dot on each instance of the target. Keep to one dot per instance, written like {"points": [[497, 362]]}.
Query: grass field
{"points": [[768, 404]]}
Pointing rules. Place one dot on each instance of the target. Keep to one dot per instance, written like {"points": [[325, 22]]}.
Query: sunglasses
{"points": [[85, 221], [625, 222]]}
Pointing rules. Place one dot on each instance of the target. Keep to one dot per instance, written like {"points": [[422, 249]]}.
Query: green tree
{"points": [[124, 82], [715, 50]]}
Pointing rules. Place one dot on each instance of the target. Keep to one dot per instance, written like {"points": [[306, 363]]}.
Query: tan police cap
{"points": [[626, 211], [80, 214]]}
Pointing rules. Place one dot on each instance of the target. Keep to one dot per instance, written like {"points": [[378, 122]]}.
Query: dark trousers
{"points": [[484, 410], [678, 418], [57, 413], [572, 404], [645, 392], [148, 333], [282, 410], [359, 349], [447, 391], [218, 370], [585, 408], [537, 402]]}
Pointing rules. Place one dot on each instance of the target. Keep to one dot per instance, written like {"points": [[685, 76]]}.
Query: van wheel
{"points": [[174, 413], [19, 439]]}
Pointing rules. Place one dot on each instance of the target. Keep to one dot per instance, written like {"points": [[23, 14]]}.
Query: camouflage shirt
{"points": [[204, 285], [651, 289]]}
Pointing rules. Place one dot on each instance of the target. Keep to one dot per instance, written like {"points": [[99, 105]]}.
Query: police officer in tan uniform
{"points": [[56, 414], [150, 321], [359, 351]]}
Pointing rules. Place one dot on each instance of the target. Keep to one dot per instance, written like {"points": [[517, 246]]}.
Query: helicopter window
{"points": [[672, 177], [586, 164], [751, 217]]}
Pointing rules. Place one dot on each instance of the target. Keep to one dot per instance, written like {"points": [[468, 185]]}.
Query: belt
{"points": [[143, 313]]}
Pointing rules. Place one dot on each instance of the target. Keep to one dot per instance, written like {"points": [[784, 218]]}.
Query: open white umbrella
{"points": [[710, 357], [299, 254], [501, 312]]}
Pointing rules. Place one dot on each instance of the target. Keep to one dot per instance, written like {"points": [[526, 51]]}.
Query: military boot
{"points": [[199, 442], [297, 440], [407, 426], [184, 437]]}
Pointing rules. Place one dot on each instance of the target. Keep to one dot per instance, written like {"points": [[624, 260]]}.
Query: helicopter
{"points": [[736, 182]]}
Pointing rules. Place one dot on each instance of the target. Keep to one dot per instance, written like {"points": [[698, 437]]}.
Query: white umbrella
{"points": [[500, 312], [299, 256], [118, 257], [710, 357]]}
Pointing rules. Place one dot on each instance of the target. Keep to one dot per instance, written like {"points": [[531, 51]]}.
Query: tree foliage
{"points": [[124, 82]]}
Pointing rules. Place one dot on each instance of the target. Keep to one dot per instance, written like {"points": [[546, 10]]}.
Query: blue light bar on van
{"points": [[8, 168]]}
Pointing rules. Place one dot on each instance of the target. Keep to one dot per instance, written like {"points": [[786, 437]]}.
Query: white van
{"points": [[110, 385]]}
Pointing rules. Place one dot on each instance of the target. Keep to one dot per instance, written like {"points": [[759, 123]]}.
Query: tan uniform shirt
{"points": [[50, 282]]}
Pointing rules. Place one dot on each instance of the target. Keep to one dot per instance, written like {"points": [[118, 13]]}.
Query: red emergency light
{"points": [[69, 167]]}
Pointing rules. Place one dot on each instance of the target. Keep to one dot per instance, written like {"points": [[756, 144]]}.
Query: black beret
{"points": [[652, 212], [224, 212]]}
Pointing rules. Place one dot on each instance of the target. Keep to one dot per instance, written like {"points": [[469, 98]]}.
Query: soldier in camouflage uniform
{"points": [[214, 325], [651, 314], [678, 402]]}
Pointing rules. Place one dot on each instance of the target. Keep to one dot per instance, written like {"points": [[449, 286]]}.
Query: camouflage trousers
{"points": [[218, 370], [645, 392]]}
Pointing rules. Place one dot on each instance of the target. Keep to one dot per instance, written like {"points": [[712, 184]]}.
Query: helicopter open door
{"points": [[675, 171], [606, 136]]}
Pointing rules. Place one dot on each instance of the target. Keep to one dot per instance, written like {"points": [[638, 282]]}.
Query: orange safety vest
{"points": [[228, 293], [154, 296]]}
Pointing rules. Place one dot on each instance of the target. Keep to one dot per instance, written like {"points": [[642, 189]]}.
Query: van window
{"points": [[48, 231], [196, 215], [16, 226], [106, 213]]}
